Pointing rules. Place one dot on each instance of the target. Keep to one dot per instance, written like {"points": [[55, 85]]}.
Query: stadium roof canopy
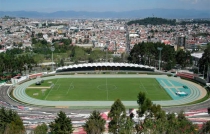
{"points": [[104, 64]]}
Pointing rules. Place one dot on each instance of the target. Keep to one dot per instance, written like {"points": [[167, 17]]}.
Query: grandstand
{"points": [[105, 66], [188, 75]]}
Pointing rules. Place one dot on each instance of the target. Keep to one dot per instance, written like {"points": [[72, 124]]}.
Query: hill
{"points": [[153, 21], [142, 13]]}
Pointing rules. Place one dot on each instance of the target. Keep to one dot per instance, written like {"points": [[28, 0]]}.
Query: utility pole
{"points": [[160, 49], [207, 78], [204, 72], [106, 47], [127, 39], [52, 49]]}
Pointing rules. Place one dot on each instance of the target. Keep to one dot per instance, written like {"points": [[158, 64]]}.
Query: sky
{"points": [[100, 5]]}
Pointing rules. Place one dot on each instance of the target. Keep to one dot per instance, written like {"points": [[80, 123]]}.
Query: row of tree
{"points": [[10, 122], [148, 54], [74, 53], [155, 121], [18, 60], [13, 62], [204, 62]]}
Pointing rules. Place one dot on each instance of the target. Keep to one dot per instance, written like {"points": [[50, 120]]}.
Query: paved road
{"points": [[4, 97], [203, 105]]}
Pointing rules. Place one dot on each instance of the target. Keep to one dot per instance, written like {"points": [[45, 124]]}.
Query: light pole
{"points": [[52, 49], [203, 71], [160, 49], [106, 47]]}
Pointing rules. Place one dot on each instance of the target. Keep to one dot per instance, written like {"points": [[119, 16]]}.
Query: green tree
{"points": [[185, 125], [148, 54], [205, 128], [205, 60], [154, 116], [62, 62], [117, 115], [41, 129], [117, 59], [95, 124], [127, 126], [141, 102], [40, 35], [79, 54], [10, 122], [96, 55], [61, 125], [183, 58], [38, 58]]}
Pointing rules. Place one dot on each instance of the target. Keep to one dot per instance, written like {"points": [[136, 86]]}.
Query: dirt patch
{"points": [[36, 94], [39, 87]]}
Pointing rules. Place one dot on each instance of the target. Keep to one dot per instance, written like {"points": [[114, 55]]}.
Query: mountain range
{"points": [[164, 13]]}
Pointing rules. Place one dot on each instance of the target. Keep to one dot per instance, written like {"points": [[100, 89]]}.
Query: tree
{"points": [[156, 121], [61, 125], [127, 126], [96, 55], [38, 58], [117, 115], [41, 129], [185, 125], [61, 62], [205, 60], [142, 102], [14, 128], [147, 54], [10, 122], [183, 58], [95, 124], [154, 116], [117, 59], [40, 35], [78, 54], [205, 128]]}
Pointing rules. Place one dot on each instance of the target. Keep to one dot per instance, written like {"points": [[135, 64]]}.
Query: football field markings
{"points": [[70, 87], [143, 87], [106, 90], [51, 88]]}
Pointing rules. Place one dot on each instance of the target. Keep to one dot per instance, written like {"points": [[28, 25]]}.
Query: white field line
{"points": [[69, 87]]}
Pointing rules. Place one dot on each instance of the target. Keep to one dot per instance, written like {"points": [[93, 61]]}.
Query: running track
{"points": [[19, 92]]}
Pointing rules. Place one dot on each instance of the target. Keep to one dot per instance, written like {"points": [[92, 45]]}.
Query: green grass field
{"points": [[101, 89]]}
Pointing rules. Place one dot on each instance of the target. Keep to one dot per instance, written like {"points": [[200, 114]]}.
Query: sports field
{"points": [[101, 89]]}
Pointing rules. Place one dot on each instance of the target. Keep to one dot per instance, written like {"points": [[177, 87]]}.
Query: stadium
{"points": [[100, 84]]}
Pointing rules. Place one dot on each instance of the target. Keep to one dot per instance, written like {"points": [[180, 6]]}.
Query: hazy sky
{"points": [[100, 5]]}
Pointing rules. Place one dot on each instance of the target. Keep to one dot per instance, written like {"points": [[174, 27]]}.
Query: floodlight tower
{"points": [[160, 49], [106, 48], [52, 48]]}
